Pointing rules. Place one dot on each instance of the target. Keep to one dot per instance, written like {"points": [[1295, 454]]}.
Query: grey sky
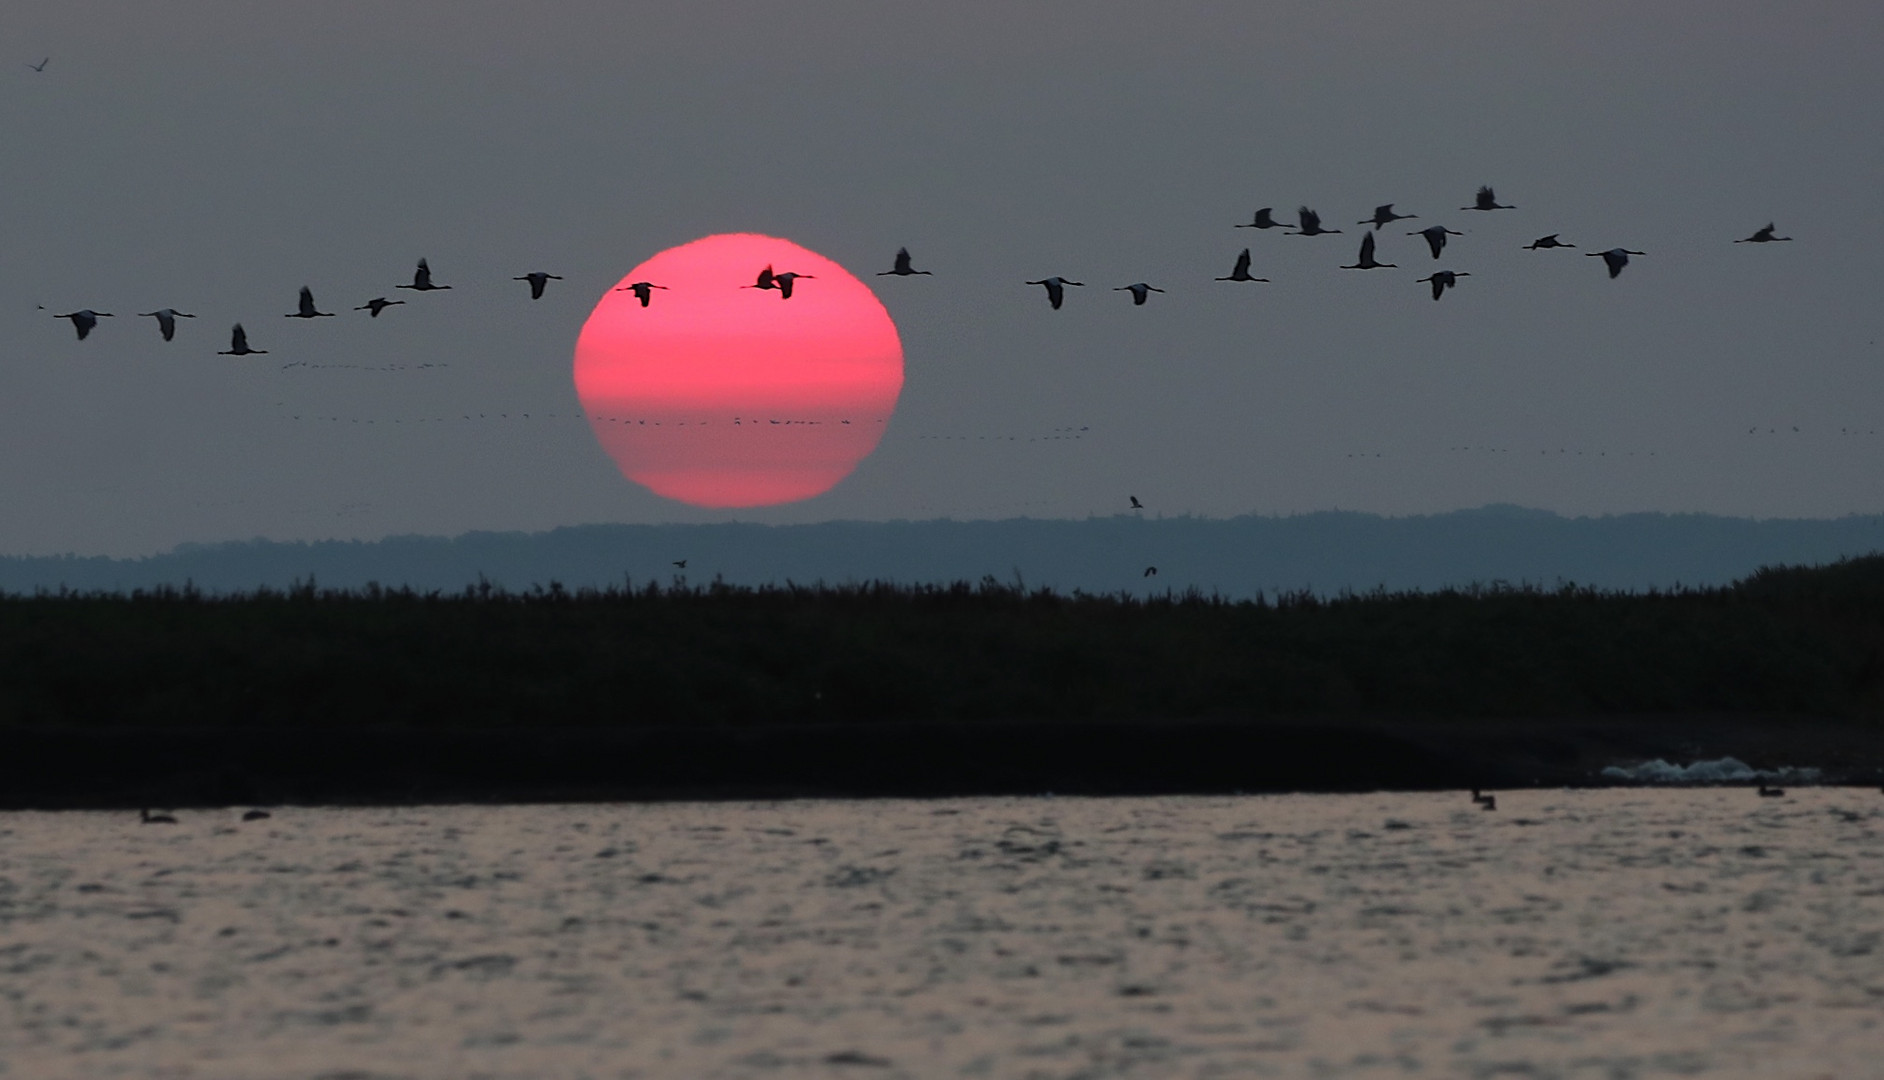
{"points": [[217, 156]]}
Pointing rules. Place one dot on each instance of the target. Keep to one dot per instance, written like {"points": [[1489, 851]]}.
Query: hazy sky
{"points": [[215, 157]]}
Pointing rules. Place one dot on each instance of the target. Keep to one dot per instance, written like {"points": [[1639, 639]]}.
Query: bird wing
{"points": [[1367, 248], [1311, 221], [238, 339]]}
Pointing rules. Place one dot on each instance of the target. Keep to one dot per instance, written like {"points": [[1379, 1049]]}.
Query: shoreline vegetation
{"points": [[177, 697]]}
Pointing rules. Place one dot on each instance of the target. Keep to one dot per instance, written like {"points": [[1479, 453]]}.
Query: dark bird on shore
{"points": [[239, 344], [901, 267], [1150, 571], [1764, 236], [644, 290], [422, 279], [537, 280], [1771, 792], [1241, 271], [1487, 201], [1265, 219], [1136, 505], [306, 309], [1366, 261], [1488, 803], [785, 282], [1436, 237], [41, 66], [85, 319], [1480, 798], [1139, 290], [166, 320], [144, 816], [256, 815], [1383, 215], [1614, 258], [1550, 241], [1310, 224], [1443, 280], [1056, 289], [765, 280], [377, 305]]}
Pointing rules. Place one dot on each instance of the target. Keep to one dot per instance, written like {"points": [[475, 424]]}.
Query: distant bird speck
{"points": [[166, 320], [1384, 215], [1443, 280], [680, 564], [1139, 290], [1615, 258], [377, 305], [1265, 219], [644, 290], [1136, 505], [1309, 224], [1366, 260], [537, 280], [1487, 201], [422, 279], [1241, 271], [901, 267], [1436, 237], [146, 817], [256, 815], [306, 309], [1056, 289], [1151, 571], [84, 319], [1764, 236], [1550, 241], [239, 344], [41, 66]]}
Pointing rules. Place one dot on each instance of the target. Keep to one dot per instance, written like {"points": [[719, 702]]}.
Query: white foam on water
{"points": [[1726, 770]]}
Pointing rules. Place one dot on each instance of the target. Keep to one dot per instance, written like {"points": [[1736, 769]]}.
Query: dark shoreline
{"points": [[72, 767]]}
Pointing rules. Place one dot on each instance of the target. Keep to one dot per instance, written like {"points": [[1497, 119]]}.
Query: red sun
{"points": [[718, 395]]}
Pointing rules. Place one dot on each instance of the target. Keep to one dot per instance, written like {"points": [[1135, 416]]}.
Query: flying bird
{"points": [[1764, 236], [41, 66], [785, 280], [84, 319], [166, 320], [422, 279], [377, 305], [537, 280], [1136, 505], [1443, 280], [680, 564], [306, 309], [1056, 289], [1151, 571], [1310, 224], [1614, 258], [1263, 220], [901, 267], [239, 344], [1139, 290], [1241, 271], [1383, 215], [644, 290], [1550, 241], [1366, 261], [1487, 201], [1436, 237]]}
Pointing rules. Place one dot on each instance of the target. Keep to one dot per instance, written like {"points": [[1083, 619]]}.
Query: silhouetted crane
{"points": [[84, 319], [1550, 241], [1384, 215], [1615, 258], [239, 344], [537, 280], [377, 305], [765, 280], [1056, 289], [1487, 201], [1264, 220], [1764, 236], [785, 282], [1241, 271], [1436, 237], [306, 309], [1139, 290], [422, 279], [901, 267], [1366, 261], [1443, 280], [644, 290], [166, 320], [1310, 224]]}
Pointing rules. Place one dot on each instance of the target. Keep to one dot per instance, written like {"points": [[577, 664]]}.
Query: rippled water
{"points": [[1613, 933]]}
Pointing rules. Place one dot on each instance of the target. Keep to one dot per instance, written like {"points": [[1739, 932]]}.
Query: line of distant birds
{"points": [[1308, 223]]}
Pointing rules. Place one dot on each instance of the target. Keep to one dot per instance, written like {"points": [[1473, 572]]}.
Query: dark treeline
{"points": [[1783, 641]]}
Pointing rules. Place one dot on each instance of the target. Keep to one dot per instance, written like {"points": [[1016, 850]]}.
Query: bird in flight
{"points": [[1264, 220], [1384, 215], [785, 280], [1139, 290], [1310, 224], [377, 305], [680, 564], [239, 344], [1136, 505], [537, 280], [901, 267], [1443, 280], [41, 66], [1487, 201], [765, 280], [1764, 236], [1241, 270], [1615, 258], [1436, 237], [84, 319], [644, 290], [166, 320], [1056, 289], [422, 279], [1151, 571], [1366, 261], [1550, 241], [306, 310]]}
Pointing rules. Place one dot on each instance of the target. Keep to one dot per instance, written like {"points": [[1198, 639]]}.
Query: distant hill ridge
{"points": [[1325, 552]]}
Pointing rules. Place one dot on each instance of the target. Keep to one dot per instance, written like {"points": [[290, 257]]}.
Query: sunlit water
{"points": [[1616, 933]]}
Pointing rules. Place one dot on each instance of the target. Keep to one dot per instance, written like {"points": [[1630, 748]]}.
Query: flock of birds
{"points": [[1308, 223]]}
